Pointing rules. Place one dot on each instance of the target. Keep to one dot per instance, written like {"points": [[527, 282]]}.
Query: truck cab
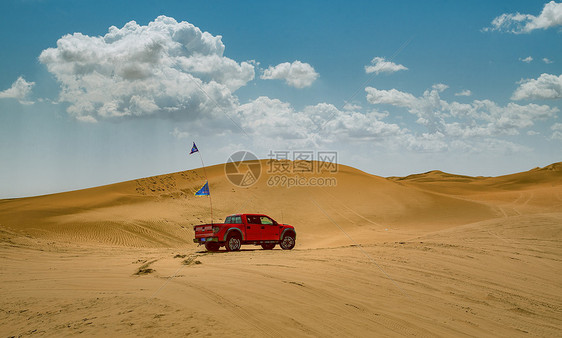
{"points": [[239, 229]]}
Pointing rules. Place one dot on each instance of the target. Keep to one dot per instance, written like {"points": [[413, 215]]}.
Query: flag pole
{"points": [[207, 178]]}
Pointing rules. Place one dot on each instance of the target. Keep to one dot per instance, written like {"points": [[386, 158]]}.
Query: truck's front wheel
{"points": [[233, 242], [288, 242]]}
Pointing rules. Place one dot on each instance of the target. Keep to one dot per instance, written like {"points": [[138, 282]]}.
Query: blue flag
{"points": [[193, 149], [204, 191]]}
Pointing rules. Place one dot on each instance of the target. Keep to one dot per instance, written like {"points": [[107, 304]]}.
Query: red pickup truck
{"points": [[241, 229]]}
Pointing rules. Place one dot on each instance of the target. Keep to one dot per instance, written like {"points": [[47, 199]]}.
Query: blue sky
{"points": [[395, 88]]}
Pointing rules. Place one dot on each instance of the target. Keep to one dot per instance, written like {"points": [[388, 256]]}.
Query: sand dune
{"points": [[427, 254], [159, 211]]}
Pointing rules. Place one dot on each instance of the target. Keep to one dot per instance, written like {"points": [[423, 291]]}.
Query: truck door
{"points": [[269, 229], [253, 228]]}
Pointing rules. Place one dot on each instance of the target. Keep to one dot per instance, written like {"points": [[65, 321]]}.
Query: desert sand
{"points": [[432, 254]]}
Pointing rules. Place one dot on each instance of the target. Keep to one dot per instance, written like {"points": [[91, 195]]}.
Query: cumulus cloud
{"points": [[453, 126], [380, 65], [86, 118], [273, 118], [427, 142], [465, 92], [481, 118], [474, 128], [297, 74], [166, 68], [486, 118], [440, 87], [323, 123], [351, 106], [174, 70], [178, 134], [393, 97], [557, 131], [547, 61], [427, 108], [380, 114], [19, 90], [546, 86], [352, 125], [528, 59], [517, 23], [532, 133]]}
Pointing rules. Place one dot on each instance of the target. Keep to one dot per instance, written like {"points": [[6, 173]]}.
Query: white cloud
{"points": [[266, 118], [498, 146], [178, 134], [354, 126], [547, 86], [557, 131], [481, 118], [465, 92], [19, 90], [379, 115], [486, 118], [273, 121], [450, 126], [86, 118], [551, 16], [380, 65], [174, 70], [440, 87], [427, 142], [393, 97], [427, 108], [532, 133], [351, 106], [547, 61], [556, 126], [166, 68], [297, 74], [528, 59]]}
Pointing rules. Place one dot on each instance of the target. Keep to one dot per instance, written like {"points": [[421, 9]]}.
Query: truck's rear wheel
{"points": [[233, 242], [212, 246], [288, 242], [268, 246]]}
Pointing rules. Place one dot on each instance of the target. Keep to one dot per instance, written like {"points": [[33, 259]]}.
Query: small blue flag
{"points": [[204, 191], [193, 149]]}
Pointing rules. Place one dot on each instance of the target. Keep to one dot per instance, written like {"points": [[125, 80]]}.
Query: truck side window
{"points": [[266, 220], [253, 219], [238, 220], [228, 220]]}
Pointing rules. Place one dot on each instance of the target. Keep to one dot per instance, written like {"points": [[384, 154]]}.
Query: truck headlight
{"points": [[216, 229]]}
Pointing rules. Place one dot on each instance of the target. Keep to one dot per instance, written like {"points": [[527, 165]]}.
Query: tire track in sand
{"points": [[234, 308]]}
